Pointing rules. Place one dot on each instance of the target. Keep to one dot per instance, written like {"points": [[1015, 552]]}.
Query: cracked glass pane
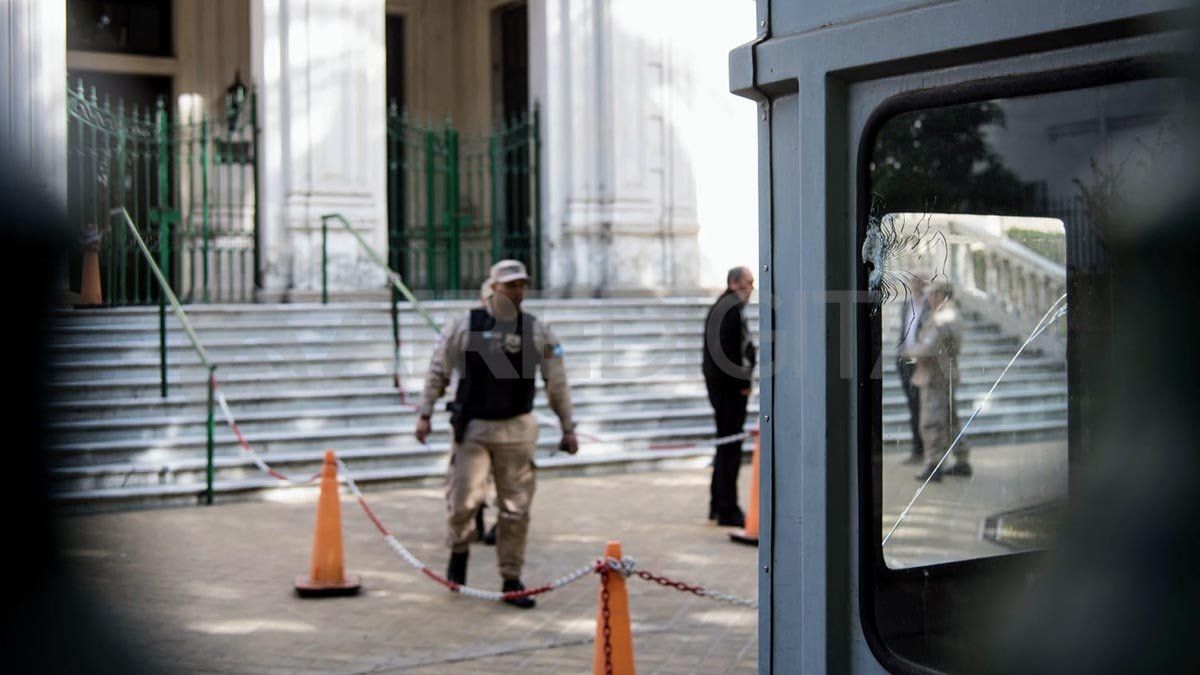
{"points": [[987, 232]]}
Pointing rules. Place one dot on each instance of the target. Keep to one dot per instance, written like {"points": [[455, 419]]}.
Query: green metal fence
{"points": [[459, 202], [190, 185]]}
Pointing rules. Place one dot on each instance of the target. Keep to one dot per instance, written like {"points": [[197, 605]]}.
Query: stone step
{"points": [[294, 378], [273, 332], [999, 412], [306, 377], [392, 432], [192, 421], [92, 442], [141, 489], [598, 395], [270, 316], [253, 314], [369, 393], [249, 352], [302, 464], [600, 420], [258, 487]]}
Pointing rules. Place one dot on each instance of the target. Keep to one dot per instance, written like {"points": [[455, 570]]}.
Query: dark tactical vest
{"points": [[498, 370]]}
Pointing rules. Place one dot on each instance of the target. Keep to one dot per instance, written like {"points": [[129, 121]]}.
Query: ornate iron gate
{"points": [[458, 202], [190, 186]]}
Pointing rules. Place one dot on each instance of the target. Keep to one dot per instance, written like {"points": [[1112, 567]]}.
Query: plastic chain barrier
{"points": [[625, 566], [258, 460], [461, 589]]}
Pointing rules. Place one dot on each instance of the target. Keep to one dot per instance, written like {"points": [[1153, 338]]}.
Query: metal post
{"points": [[430, 212], [257, 198], [209, 469], [396, 338], [536, 161], [451, 213], [119, 191], [164, 235], [324, 261], [493, 156], [204, 233]]}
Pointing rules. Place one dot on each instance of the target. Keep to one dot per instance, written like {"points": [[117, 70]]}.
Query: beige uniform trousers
{"points": [[505, 447], [939, 422]]}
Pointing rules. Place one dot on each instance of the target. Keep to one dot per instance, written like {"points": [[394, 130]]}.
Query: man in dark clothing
{"points": [[912, 315], [728, 362]]}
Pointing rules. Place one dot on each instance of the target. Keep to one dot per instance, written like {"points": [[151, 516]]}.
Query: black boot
{"points": [[457, 572], [490, 537], [479, 530], [525, 602], [961, 469], [914, 459], [932, 473], [734, 518]]}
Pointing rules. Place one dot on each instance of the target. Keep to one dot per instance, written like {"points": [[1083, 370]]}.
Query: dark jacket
{"points": [[729, 355]]}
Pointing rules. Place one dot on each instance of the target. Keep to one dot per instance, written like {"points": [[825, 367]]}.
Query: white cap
{"points": [[508, 270]]}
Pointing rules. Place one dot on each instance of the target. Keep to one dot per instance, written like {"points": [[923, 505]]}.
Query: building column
{"points": [[320, 66], [33, 75], [619, 193]]}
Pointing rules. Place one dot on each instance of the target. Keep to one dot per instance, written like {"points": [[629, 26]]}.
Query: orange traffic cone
{"points": [[615, 648], [328, 575], [749, 534], [89, 281]]}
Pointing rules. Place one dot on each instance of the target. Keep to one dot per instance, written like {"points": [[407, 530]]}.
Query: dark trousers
{"points": [[729, 410], [913, 394]]}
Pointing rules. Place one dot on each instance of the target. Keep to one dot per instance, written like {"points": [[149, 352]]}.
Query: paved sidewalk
{"points": [[210, 589]]}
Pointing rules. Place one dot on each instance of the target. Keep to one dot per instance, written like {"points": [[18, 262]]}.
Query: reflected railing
{"points": [[993, 275]]}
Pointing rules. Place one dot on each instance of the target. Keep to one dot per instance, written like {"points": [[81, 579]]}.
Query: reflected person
{"points": [[939, 342], [912, 317]]}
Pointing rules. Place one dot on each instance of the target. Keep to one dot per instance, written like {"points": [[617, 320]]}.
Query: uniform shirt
{"points": [[448, 357], [937, 347]]}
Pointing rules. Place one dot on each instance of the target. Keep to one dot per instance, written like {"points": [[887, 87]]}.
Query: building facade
{"points": [[633, 172]]}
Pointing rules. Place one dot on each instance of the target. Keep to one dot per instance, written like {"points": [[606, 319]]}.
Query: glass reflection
{"points": [[989, 220]]}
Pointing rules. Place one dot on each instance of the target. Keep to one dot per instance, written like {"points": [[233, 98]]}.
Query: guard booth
{"points": [[993, 148]]}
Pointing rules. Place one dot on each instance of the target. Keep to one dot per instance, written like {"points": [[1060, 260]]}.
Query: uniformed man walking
{"points": [[939, 342], [727, 364], [496, 351]]}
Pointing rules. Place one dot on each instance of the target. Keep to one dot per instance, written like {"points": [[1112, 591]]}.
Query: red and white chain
{"points": [[700, 443], [627, 566], [478, 593], [605, 616], [257, 459]]}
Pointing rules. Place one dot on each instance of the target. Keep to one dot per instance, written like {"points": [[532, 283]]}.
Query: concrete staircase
{"points": [[302, 378]]}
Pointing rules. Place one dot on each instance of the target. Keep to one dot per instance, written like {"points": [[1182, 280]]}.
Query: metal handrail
{"points": [[393, 276], [169, 295]]}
